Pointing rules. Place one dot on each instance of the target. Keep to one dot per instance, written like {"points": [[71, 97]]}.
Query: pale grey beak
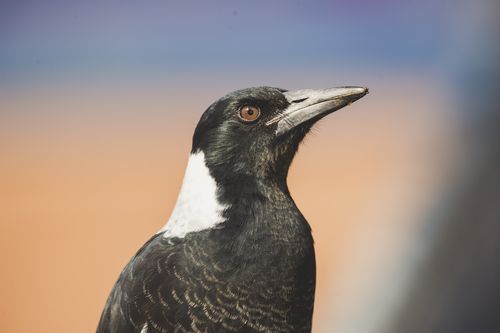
{"points": [[313, 104]]}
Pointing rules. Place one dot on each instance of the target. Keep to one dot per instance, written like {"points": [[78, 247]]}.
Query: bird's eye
{"points": [[249, 113]]}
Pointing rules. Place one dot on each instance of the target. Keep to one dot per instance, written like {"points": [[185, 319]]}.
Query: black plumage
{"points": [[255, 271]]}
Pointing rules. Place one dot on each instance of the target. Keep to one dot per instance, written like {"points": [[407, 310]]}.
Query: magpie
{"points": [[236, 254]]}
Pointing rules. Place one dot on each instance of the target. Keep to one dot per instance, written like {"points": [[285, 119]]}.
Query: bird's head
{"points": [[255, 132]]}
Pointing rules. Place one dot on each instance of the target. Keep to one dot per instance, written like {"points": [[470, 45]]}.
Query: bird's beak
{"points": [[313, 104]]}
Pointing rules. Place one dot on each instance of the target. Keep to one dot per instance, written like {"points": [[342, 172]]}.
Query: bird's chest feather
{"points": [[197, 285]]}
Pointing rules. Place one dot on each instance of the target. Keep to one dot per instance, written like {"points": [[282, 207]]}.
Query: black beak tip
{"points": [[357, 93], [363, 91]]}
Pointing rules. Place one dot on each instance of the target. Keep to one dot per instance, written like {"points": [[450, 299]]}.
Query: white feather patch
{"points": [[145, 328], [197, 207]]}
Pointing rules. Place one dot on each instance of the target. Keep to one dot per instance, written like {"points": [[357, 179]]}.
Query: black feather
{"points": [[255, 272]]}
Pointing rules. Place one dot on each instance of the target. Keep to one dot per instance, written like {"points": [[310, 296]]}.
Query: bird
{"points": [[236, 254]]}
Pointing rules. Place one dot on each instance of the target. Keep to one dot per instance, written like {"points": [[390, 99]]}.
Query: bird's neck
{"points": [[197, 207], [208, 199]]}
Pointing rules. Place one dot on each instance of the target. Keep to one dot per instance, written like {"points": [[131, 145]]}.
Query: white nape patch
{"points": [[197, 207], [145, 328]]}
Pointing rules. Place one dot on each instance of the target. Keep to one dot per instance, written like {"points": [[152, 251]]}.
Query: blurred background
{"points": [[99, 100]]}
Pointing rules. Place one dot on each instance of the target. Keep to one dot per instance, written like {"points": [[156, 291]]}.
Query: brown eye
{"points": [[249, 113]]}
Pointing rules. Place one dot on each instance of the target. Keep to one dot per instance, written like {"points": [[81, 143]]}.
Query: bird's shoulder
{"points": [[178, 283]]}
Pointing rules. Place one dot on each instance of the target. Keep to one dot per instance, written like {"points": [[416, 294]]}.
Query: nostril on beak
{"points": [[299, 100]]}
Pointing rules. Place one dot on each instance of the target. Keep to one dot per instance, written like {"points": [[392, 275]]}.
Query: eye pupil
{"points": [[249, 113]]}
